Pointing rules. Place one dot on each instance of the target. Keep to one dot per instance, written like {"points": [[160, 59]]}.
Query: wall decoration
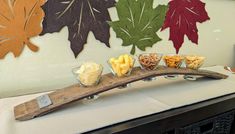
{"points": [[19, 21], [181, 18], [81, 17], [138, 23]]}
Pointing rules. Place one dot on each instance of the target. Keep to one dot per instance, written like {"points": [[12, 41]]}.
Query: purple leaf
{"points": [[81, 17]]}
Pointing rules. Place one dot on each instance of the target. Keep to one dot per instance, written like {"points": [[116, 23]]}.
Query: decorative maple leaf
{"points": [[138, 23], [182, 17], [19, 21], [81, 17]]}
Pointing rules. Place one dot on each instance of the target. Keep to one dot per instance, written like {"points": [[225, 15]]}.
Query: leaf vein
{"points": [[91, 9], [125, 31], [80, 19], [142, 12], [30, 15], [66, 9]]}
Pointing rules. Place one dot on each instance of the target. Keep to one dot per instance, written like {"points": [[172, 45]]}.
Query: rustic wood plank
{"points": [[30, 109]]}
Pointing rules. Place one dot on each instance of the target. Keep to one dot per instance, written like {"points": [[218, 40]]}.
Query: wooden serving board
{"points": [[61, 97]]}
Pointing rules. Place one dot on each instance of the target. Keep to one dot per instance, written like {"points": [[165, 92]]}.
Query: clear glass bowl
{"points": [[121, 70], [193, 62], [173, 61], [149, 61], [88, 79]]}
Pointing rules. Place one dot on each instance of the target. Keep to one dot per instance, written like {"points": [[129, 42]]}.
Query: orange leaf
{"points": [[19, 21]]}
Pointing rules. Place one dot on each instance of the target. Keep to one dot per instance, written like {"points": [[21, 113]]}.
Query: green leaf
{"points": [[138, 23]]}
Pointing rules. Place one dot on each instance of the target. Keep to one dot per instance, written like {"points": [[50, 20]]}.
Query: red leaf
{"points": [[181, 18]]}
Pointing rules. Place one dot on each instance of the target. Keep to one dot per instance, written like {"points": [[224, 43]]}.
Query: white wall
{"points": [[50, 68]]}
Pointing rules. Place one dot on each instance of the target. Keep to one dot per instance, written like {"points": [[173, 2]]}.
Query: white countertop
{"points": [[141, 99]]}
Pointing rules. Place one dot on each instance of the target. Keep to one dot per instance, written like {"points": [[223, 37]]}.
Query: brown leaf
{"points": [[19, 21]]}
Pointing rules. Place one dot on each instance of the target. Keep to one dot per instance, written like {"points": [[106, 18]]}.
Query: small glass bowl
{"points": [[173, 61], [149, 61], [194, 63], [88, 79], [127, 72]]}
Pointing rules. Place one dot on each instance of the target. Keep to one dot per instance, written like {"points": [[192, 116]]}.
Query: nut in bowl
{"points": [[149, 61], [194, 62], [122, 66], [88, 74], [173, 61]]}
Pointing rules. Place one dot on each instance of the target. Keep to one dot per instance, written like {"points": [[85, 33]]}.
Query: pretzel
{"points": [[149, 61]]}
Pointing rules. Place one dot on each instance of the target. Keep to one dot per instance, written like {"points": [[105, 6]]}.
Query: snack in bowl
{"points": [[122, 65], [149, 61], [194, 62], [89, 73], [173, 61]]}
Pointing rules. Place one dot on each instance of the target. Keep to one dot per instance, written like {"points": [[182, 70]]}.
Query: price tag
{"points": [[43, 101]]}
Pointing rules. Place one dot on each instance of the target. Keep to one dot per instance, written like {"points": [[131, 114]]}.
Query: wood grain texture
{"points": [[30, 109]]}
